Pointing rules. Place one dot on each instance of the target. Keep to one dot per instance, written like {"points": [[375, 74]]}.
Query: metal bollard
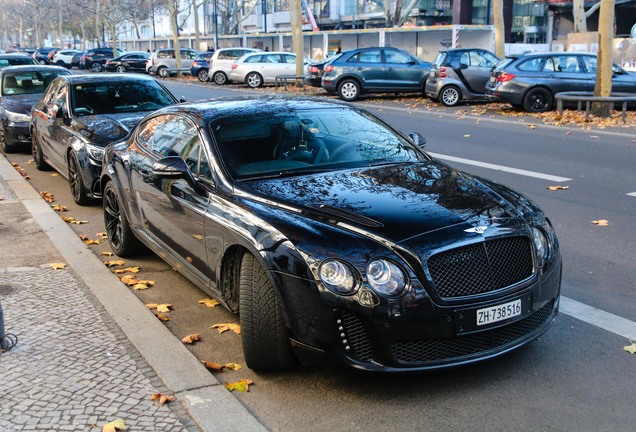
{"points": [[8, 340]]}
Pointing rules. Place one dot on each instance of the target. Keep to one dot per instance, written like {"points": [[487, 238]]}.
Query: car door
{"points": [[171, 210], [52, 133], [622, 82], [368, 66], [474, 69], [565, 72], [136, 62], [403, 71]]}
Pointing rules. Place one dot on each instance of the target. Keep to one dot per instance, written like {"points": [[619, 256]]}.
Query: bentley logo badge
{"points": [[478, 229]]}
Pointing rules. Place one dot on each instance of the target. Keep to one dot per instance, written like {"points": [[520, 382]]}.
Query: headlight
{"points": [[337, 276], [94, 152], [17, 117], [542, 246], [385, 277]]}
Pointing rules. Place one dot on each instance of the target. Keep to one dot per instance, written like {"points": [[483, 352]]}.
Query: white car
{"points": [[222, 61], [64, 58], [260, 68]]}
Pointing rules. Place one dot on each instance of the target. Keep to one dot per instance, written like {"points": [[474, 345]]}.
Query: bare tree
{"points": [[500, 30], [603, 86], [581, 15]]}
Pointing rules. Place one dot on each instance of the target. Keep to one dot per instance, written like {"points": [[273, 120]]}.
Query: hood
{"points": [[395, 202], [20, 104], [103, 129]]}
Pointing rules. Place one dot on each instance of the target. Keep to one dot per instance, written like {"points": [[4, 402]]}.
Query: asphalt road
{"points": [[577, 377]]}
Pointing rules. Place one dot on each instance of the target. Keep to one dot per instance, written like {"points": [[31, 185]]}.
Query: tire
{"points": [[42, 62], [121, 239], [203, 75], [254, 79], [537, 100], [163, 72], [96, 67], [450, 96], [4, 145], [76, 181], [264, 335], [38, 155], [219, 78], [121, 69], [349, 90], [61, 63]]}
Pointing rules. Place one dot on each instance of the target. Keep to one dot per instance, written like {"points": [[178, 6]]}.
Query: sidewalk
{"points": [[88, 351]]}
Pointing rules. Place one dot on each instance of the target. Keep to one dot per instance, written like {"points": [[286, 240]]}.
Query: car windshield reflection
{"points": [[308, 141], [117, 97]]}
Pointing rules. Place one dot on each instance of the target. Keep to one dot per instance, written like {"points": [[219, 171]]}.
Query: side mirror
{"points": [[418, 139], [182, 99], [173, 167]]}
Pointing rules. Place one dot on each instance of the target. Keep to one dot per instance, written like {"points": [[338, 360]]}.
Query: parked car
{"points": [[222, 61], [16, 59], [260, 68], [20, 88], [375, 70], [96, 58], [132, 61], [333, 235], [530, 81], [201, 65], [41, 55], [64, 58], [459, 75], [75, 61], [79, 115], [164, 64], [316, 70]]}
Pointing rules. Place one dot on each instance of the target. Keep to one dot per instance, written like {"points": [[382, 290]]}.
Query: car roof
{"points": [[14, 55], [32, 68], [210, 109], [99, 78]]}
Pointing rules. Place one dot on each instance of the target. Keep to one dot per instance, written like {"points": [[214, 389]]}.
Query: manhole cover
{"points": [[6, 289]]}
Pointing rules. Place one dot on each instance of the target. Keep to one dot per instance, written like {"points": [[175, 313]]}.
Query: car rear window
{"points": [[439, 59]]}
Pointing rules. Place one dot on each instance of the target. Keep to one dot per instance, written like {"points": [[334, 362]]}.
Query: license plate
{"points": [[500, 312]]}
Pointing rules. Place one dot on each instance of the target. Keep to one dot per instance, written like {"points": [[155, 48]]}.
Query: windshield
{"points": [[309, 140], [118, 97], [28, 82]]}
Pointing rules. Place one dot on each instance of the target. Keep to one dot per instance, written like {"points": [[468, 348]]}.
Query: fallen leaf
{"points": [[212, 365], [189, 259], [29, 162], [152, 305], [57, 266], [631, 348], [225, 327], [127, 270], [164, 307], [190, 339], [59, 208], [209, 302], [240, 386], [161, 398], [140, 286], [72, 220], [601, 222], [102, 235], [47, 197], [198, 237], [113, 263], [557, 187], [593, 136], [163, 318], [54, 175], [232, 366], [532, 126], [83, 237], [91, 242], [107, 254], [115, 425]]}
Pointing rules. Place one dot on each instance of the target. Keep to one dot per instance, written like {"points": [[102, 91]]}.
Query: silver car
{"points": [[259, 68], [164, 63], [459, 75], [222, 61]]}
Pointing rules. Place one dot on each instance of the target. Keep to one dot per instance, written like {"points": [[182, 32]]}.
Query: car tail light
{"points": [[504, 76], [442, 72], [313, 69], [328, 68], [194, 64]]}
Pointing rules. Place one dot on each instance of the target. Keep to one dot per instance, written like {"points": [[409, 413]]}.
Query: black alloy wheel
{"points": [[76, 182], [538, 100], [4, 145], [38, 155], [121, 239]]}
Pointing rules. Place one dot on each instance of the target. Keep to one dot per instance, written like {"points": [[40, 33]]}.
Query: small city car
{"points": [[375, 70], [333, 235], [81, 114], [20, 88], [222, 60], [459, 75], [200, 66], [531, 81]]}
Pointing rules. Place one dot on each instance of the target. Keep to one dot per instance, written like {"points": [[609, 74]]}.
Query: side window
{"points": [[531, 65], [396, 57], [489, 59], [371, 56], [197, 161], [566, 63], [59, 97], [174, 137], [289, 59], [590, 64], [254, 59], [145, 137]]}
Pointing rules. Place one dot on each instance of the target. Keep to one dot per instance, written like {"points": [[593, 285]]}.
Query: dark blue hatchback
{"points": [[201, 66]]}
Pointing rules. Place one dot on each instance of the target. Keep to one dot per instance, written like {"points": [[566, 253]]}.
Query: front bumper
{"points": [[17, 134]]}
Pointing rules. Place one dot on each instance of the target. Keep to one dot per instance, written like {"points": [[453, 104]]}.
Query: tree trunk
{"points": [[578, 11], [500, 30], [603, 86], [172, 8], [197, 34], [297, 37]]}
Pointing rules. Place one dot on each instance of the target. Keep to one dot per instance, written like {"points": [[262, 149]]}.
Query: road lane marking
{"points": [[501, 168], [598, 318], [632, 194]]}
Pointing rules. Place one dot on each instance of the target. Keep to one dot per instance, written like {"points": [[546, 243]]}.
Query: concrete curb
{"points": [[210, 405]]}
